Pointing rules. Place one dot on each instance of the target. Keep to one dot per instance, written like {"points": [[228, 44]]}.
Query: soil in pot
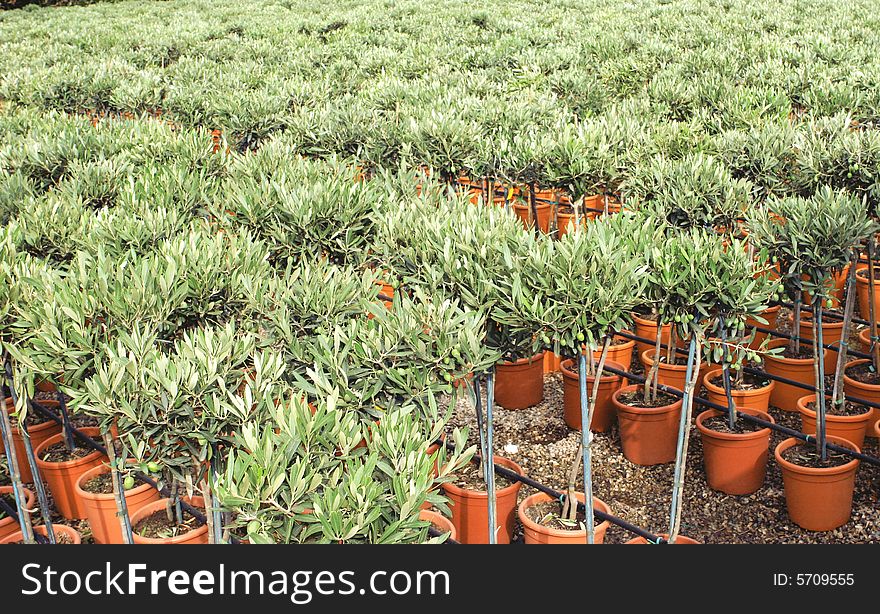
{"points": [[818, 493], [542, 523], [750, 391], [470, 506], [735, 458], [520, 384], [152, 518], [860, 382], [850, 422], [95, 492], [603, 413], [158, 526], [648, 431]]}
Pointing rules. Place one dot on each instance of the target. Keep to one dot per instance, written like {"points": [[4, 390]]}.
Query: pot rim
{"points": [[541, 497], [57, 527], [798, 362], [803, 409], [89, 430], [641, 540], [95, 471], [806, 316], [711, 413], [640, 320], [482, 494], [564, 368], [437, 518], [522, 361], [29, 499], [643, 357], [785, 444], [538, 205], [743, 393], [641, 410], [854, 382]]}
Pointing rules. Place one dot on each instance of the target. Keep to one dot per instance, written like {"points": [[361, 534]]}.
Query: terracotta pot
{"points": [[736, 463], [551, 362], [771, 315], [440, 521], [681, 539], [851, 428], [818, 499], [58, 529], [61, 478], [862, 293], [9, 525], [38, 434], [100, 509], [835, 284], [535, 533], [564, 221], [621, 353], [523, 212], [832, 331], [756, 399], [648, 435], [648, 330], [470, 509], [785, 396], [667, 375], [596, 205], [865, 339], [866, 392], [196, 536], [520, 384], [877, 429], [603, 414]]}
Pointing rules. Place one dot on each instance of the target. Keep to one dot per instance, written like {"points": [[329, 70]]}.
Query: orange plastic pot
{"points": [[58, 529], [681, 539], [865, 339], [100, 509], [603, 413], [735, 463], [595, 205], [38, 434], [61, 478], [877, 429], [835, 287], [867, 392], [196, 536], [524, 213], [818, 499], [648, 435], [863, 293], [470, 509], [9, 525], [438, 520], [785, 396], [756, 399], [667, 375], [535, 533], [621, 352], [771, 315], [551, 362], [851, 428], [566, 222], [520, 384], [831, 335], [648, 330]]}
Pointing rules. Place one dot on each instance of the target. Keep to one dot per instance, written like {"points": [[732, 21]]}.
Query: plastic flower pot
{"points": [[832, 331], [535, 533], [520, 384], [818, 499], [100, 508], [865, 339], [877, 429], [61, 477], [603, 413], [648, 329], [771, 315], [198, 535], [9, 525], [785, 396], [862, 292], [851, 428], [470, 509], [71, 535], [440, 522], [38, 434], [524, 212], [755, 399], [551, 362], [735, 463], [621, 352], [681, 539], [595, 205], [648, 435], [835, 285], [859, 390], [667, 375]]}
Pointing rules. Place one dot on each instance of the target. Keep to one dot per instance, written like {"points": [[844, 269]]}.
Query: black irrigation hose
{"points": [[827, 346], [516, 477], [829, 314], [771, 425]]}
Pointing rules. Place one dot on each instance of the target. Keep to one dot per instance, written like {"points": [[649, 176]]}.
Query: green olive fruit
{"points": [[153, 467], [253, 526], [580, 337], [128, 482]]}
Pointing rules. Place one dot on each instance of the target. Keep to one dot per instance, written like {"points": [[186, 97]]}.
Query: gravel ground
{"points": [[642, 495]]}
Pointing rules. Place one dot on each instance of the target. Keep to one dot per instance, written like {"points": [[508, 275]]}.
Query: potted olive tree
{"points": [[817, 236]]}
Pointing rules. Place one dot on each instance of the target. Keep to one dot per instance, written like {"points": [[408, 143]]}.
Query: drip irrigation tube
{"points": [[827, 314]]}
